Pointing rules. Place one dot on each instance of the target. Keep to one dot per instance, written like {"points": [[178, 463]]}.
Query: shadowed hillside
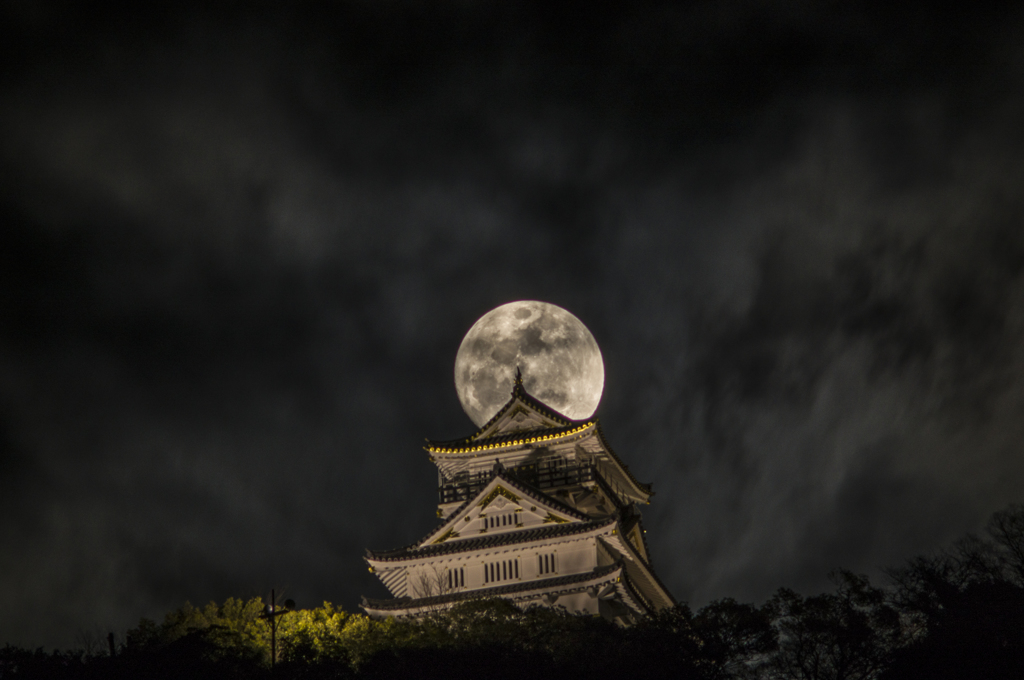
{"points": [[955, 614]]}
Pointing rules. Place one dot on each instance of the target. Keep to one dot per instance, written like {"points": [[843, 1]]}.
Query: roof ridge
{"points": [[627, 582], [519, 391], [539, 495], [486, 541], [469, 442], [524, 486], [485, 593]]}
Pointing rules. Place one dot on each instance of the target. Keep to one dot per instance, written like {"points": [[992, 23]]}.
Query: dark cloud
{"points": [[240, 248]]}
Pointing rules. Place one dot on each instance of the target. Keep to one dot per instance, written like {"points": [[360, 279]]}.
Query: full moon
{"points": [[558, 356]]}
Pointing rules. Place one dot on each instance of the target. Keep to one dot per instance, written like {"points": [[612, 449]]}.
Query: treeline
{"points": [[956, 614]]}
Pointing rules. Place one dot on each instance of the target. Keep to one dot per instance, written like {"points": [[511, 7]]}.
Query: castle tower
{"points": [[535, 508]]}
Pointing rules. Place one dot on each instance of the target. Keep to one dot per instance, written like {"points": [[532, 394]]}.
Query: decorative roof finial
{"points": [[519, 377]]}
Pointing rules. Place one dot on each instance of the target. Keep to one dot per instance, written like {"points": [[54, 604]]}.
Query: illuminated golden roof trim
{"points": [[524, 491], [519, 392], [451, 533], [515, 442], [495, 492]]}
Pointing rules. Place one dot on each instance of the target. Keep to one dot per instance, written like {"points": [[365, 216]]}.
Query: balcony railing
{"points": [[540, 475]]}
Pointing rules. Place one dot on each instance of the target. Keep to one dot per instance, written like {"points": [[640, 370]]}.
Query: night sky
{"points": [[239, 249]]}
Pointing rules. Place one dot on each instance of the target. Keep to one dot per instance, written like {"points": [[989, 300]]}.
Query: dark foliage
{"points": [[734, 638], [846, 635], [968, 604], [956, 615]]}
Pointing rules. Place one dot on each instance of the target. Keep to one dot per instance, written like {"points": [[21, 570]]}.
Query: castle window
{"points": [[504, 570], [546, 563], [456, 578], [504, 520]]}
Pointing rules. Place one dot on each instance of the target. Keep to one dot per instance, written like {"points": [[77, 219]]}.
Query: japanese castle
{"points": [[535, 508]]}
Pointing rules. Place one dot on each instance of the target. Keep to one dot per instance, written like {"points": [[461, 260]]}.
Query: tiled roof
{"points": [[647, 567], [627, 526], [518, 391], [646, 488], [634, 592], [508, 439], [474, 443], [484, 541], [498, 591], [643, 537], [508, 476], [539, 496]]}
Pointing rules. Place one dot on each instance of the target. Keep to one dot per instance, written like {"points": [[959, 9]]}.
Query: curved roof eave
{"points": [[518, 393], [416, 552]]}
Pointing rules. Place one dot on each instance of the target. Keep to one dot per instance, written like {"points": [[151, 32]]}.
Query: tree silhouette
{"points": [[957, 614], [968, 603], [736, 639], [847, 635]]}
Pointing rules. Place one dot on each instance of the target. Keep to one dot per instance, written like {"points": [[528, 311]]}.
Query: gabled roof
{"points": [[521, 399], [492, 437], [485, 541], [503, 480], [472, 444]]}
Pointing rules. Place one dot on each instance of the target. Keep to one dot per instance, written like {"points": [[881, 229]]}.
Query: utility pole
{"points": [[271, 612]]}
